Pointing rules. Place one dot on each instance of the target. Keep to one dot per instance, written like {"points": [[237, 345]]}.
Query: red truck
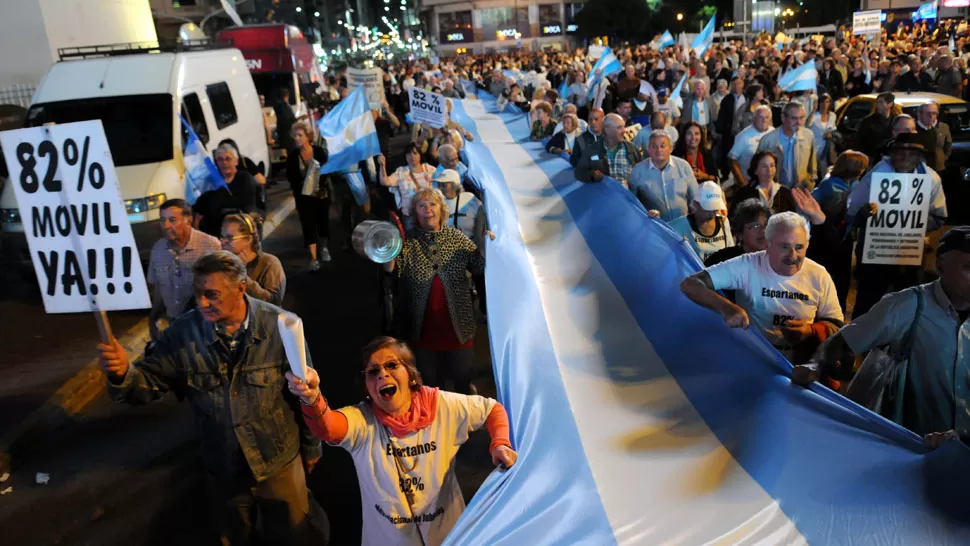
{"points": [[278, 57]]}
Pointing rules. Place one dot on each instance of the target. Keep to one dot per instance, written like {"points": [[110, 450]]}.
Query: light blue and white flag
{"points": [[607, 65], [675, 96], [516, 75], [704, 40], [952, 45], [468, 87], [803, 78], [564, 89], [666, 40], [349, 132], [639, 417], [201, 172]]}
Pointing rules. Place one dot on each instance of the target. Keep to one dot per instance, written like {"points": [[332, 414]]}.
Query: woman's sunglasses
{"points": [[374, 371]]}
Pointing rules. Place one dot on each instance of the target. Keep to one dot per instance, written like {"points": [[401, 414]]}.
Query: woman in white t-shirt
{"points": [[403, 439]]}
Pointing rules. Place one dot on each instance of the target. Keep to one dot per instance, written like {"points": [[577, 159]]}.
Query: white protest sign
{"points": [[596, 51], [895, 234], [373, 81], [647, 89], [427, 107], [75, 220], [867, 22]]}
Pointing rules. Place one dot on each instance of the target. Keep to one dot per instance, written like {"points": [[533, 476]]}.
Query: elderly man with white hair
{"points": [[699, 108], [450, 91], [789, 298], [571, 109]]}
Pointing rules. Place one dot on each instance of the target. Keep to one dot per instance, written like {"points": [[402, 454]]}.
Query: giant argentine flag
{"points": [[704, 40], [349, 132], [607, 65], [639, 417], [803, 78]]}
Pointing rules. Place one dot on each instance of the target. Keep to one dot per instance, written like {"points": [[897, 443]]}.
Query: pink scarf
{"points": [[424, 407]]}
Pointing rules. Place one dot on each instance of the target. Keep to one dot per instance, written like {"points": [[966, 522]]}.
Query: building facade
{"points": [[501, 25]]}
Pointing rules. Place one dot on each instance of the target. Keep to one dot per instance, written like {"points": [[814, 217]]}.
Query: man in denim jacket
{"points": [[226, 357]]}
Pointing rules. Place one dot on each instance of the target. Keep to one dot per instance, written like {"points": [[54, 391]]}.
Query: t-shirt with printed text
{"points": [[420, 464], [770, 299]]}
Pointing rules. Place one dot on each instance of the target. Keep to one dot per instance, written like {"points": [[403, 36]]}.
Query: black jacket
{"points": [[295, 171], [583, 141], [586, 166], [872, 133], [833, 83], [910, 83]]}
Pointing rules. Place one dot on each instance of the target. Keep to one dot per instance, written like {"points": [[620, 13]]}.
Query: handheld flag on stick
{"points": [[803, 78], [666, 40], [201, 173], [675, 95], [607, 65], [704, 40], [349, 132]]}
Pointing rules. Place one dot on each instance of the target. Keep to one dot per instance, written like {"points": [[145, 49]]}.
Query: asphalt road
{"points": [[131, 475]]}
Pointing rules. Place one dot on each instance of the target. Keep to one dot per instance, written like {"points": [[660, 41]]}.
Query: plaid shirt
{"points": [[170, 270], [620, 167]]}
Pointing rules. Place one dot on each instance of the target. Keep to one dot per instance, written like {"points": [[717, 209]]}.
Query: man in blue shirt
{"points": [[664, 184]]}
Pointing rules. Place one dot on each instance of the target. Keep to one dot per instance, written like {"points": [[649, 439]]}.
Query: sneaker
{"points": [[324, 255], [314, 265]]}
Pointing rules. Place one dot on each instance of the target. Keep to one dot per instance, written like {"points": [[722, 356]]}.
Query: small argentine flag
{"points": [[704, 39], [666, 40], [675, 96], [803, 78], [606, 66], [349, 132]]}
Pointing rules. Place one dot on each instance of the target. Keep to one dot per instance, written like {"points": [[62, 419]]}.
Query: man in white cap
{"points": [[706, 229], [465, 211]]}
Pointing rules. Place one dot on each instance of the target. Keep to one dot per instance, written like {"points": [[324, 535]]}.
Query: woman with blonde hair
{"points": [[240, 235], [435, 292]]}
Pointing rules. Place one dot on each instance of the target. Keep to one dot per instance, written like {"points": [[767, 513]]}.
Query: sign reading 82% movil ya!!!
{"points": [[895, 234], [74, 218]]}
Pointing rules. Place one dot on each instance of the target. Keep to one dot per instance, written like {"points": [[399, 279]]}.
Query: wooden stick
{"points": [[104, 327]]}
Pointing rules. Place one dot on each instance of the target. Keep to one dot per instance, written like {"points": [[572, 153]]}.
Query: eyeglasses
{"points": [[374, 371], [753, 226]]}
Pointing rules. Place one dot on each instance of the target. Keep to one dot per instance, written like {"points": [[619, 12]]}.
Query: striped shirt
{"points": [[170, 270]]}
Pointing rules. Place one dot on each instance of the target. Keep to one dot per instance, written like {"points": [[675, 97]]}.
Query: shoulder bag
{"points": [[881, 380]]}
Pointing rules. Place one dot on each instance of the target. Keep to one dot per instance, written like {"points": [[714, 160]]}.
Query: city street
{"points": [[131, 475]]}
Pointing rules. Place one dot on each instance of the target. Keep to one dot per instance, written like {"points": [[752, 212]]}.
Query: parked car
{"points": [[953, 111]]}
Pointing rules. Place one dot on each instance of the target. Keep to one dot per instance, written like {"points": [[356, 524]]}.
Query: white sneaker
{"points": [[324, 254], [314, 265]]}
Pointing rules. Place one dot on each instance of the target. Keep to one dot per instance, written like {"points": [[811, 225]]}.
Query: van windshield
{"points": [[138, 127]]}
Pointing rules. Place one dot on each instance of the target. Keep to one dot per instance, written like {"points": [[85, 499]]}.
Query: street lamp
{"points": [[680, 16]]}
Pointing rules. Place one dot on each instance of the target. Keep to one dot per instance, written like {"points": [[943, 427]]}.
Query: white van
{"points": [[139, 95]]}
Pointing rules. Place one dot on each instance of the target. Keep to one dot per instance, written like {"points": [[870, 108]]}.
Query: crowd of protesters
{"points": [[756, 179]]}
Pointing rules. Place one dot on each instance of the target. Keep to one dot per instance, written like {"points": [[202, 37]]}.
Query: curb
{"points": [[88, 384]]}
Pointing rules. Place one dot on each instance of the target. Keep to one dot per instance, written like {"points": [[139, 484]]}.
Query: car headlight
{"points": [[9, 216], [134, 206]]}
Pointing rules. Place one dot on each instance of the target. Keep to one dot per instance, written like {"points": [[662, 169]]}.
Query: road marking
{"points": [[85, 386]]}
